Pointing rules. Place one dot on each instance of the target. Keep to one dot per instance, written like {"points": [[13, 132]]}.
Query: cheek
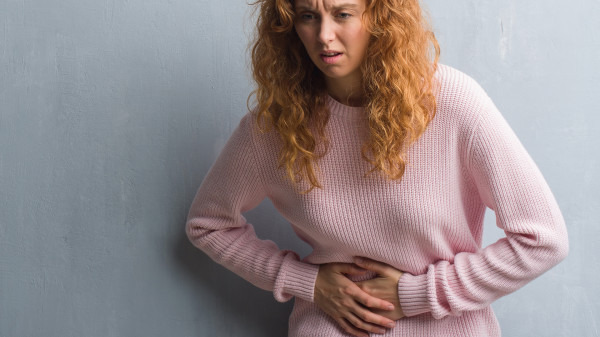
{"points": [[362, 39], [304, 35], [356, 35]]}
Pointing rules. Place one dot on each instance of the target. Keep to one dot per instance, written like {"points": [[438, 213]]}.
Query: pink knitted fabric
{"points": [[429, 224]]}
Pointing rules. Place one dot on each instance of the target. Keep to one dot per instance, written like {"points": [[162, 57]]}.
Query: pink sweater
{"points": [[429, 225]]}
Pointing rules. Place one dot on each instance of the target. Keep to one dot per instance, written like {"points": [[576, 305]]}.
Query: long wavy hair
{"points": [[398, 83]]}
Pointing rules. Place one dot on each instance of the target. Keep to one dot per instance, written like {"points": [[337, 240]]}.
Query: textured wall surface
{"points": [[111, 113]]}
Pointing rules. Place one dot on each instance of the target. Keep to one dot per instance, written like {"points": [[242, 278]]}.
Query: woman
{"points": [[383, 161]]}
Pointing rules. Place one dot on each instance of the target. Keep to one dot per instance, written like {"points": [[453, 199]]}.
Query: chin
{"points": [[333, 74]]}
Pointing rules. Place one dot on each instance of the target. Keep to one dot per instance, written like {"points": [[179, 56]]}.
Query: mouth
{"points": [[330, 56], [330, 53]]}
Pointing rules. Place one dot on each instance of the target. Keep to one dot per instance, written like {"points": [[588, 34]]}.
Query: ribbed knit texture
{"points": [[429, 224]]}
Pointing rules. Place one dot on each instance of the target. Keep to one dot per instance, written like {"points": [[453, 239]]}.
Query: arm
{"points": [[509, 182], [216, 226], [215, 223]]}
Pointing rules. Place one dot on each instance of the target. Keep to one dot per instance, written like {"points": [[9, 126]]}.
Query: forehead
{"points": [[328, 5]]}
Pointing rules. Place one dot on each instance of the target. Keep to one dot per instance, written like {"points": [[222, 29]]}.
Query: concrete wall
{"points": [[111, 113]]}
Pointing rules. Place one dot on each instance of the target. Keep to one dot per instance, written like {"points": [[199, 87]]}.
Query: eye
{"points": [[344, 15], [306, 16]]}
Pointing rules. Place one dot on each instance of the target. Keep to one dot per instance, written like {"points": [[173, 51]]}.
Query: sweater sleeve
{"points": [[215, 223], [508, 182]]}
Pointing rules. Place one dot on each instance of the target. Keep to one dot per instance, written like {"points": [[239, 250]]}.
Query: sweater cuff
{"points": [[299, 281], [412, 293]]}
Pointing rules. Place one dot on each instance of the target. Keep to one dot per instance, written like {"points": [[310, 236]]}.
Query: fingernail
{"points": [[391, 325], [358, 260], [390, 307], [380, 331]]}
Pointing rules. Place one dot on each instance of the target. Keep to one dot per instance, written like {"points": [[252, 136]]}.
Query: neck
{"points": [[348, 93]]}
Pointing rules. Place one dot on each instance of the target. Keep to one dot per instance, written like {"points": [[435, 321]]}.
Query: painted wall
{"points": [[111, 113]]}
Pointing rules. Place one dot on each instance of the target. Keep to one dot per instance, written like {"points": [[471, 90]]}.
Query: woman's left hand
{"points": [[384, 286]]}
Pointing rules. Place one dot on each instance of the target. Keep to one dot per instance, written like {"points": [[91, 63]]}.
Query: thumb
{"points": [[349, 269], [372, 265]]}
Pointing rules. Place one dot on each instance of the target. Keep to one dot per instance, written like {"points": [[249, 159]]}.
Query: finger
{"points": [[349, 269], [367, 300], [367, 287], [349, 328], [372, 265], [359, 323], [369, 316]]}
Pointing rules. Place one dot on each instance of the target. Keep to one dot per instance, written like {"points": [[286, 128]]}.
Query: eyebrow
{"points": [[336, 7]]}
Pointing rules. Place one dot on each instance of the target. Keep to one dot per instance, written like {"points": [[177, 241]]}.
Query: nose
{"points": [[326, 31]]}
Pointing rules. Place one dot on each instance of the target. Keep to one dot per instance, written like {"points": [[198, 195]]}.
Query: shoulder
{"points": [[243, 137], [460, 99], [453, 80], [460, 93], [257, 128], [259, 133]]}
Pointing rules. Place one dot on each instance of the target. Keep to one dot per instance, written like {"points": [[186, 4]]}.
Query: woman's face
{"points": [[334, 36]]}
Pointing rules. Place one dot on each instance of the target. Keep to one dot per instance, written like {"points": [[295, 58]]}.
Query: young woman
{"points": [[384, 161]]}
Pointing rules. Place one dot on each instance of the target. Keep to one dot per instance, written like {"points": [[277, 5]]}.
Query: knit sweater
{"points": [[428, 225]]}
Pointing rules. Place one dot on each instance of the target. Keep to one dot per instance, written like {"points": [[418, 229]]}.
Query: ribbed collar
{"points": [[345, 111]]}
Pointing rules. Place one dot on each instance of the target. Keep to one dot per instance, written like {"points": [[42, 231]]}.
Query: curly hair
{"points": [[398, 82]]}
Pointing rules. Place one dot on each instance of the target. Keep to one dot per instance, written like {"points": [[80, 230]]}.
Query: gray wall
{"points": [[113, 111]]}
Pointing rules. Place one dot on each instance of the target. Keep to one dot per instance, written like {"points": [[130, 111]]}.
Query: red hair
{"points": [[398, 81]]}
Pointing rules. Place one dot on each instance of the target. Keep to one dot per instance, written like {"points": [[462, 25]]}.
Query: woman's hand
{"points": [[347, 304], [384, 286]]}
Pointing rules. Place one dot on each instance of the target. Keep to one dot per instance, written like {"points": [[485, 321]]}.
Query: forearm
{"points": [[260, 262], [216, 225]]}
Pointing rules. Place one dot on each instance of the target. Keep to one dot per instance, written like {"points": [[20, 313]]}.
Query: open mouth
{"points": [[330, 57]]}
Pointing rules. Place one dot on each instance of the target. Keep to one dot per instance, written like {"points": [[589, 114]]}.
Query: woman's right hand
{"points": [[346, 303]]}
